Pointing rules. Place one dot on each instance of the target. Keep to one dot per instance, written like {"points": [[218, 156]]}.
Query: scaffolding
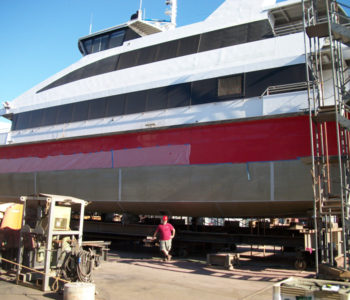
{"points": [[327, 34]]}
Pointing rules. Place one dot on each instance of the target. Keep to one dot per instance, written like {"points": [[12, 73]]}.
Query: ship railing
{"points": [[285, 88], [341, 18], [293, 27], [289, 28]]}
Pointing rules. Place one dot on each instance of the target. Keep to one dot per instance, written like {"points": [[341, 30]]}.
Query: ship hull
{"points": [[253, 168], [280, 188]]}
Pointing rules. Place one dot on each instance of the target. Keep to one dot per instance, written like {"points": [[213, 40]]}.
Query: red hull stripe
{"points": [[236, 142], [167, 155]]}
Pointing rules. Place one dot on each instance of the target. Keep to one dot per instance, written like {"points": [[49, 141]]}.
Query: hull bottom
{"points": [[214, 209], [255, 189]]}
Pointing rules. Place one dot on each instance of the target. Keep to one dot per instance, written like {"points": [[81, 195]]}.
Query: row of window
{"points": [[199, 92], [199, 43], [106, 41]]}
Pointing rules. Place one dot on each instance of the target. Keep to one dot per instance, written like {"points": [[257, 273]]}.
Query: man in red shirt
{"points": [[166, 234]]}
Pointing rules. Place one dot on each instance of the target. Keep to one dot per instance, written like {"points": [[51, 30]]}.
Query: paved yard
{"points": [[146, 277]]}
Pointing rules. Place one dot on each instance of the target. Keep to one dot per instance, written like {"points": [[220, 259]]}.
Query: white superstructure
{"points": [[243, 58]]}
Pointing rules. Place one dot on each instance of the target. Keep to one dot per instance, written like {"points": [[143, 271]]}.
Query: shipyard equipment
{"points": [[10, 225], [50, 248], [327, 34]]}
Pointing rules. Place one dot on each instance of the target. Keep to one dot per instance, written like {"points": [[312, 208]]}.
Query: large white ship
{"points": [[209, 119]]}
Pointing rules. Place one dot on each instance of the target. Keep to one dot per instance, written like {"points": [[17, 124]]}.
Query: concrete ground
{"points": [[10, 291], [145, 276], [183, 279]]}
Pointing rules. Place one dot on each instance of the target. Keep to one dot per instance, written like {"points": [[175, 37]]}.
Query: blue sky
{"points": [[39, 37]]}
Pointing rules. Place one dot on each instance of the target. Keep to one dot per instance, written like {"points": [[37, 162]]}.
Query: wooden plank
{"points": [[318, 30]]}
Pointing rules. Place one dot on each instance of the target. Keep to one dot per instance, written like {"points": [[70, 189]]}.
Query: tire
{"points": [[300, 264]]}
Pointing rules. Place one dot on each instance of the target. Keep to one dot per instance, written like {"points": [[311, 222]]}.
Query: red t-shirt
{"points": [[165, 231]]}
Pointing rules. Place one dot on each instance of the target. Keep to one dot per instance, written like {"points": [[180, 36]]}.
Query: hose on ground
{"points": [[78, 266], [85, 266]]}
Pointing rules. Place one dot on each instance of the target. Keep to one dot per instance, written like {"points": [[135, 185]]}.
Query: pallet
{"points": [[226, 260]]}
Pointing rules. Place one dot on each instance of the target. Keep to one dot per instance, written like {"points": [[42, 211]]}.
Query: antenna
{"points": [[140, 5], [139, 12], [90, 29]]}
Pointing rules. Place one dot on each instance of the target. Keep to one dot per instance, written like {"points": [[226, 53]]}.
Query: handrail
{"points": [[289, 28], [293, 27], [290, 87]]}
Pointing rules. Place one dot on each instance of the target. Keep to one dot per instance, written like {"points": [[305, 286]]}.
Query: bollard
{"points": [[78, 291]]}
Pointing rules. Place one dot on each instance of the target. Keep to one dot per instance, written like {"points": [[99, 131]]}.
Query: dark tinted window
{"points": [[14, 122], [23, 120], [167, 50], [130, 35], [102, 66], [97, 108], [234, 36], [206, 41], [259, 30], [91, 70], [73, 76], [147, 55], [87, 46], [128, 60], [258, 82], [210, 41], [230, 86], [136, 102], [179, 95], [50, 116], [223, 38], [115, 105], [96, 45], [37, 118], [203, 91], [106, 65], [188, 45], [80, 111], [65, 113], [104, 42], [52, 85], [157, 99], [116, 39]]}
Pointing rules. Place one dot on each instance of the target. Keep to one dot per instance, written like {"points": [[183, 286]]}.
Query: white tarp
{"points": [[149, 156]]}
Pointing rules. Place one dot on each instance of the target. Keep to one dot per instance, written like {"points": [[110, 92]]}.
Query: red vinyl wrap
{"points": [[237, 142]]}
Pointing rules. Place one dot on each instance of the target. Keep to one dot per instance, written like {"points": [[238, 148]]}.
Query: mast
{"points": [[172, 12]]}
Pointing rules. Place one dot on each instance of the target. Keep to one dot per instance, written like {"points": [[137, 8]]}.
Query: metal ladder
{"points": [[331, 181]]}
